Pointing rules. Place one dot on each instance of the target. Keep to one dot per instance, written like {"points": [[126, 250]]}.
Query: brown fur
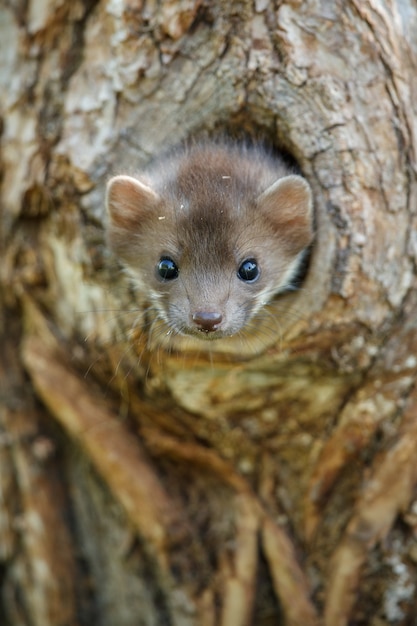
{"points": [[209, 208]]}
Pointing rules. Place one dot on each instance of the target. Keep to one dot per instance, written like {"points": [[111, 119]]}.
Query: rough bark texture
{"points": [[152, 488]]}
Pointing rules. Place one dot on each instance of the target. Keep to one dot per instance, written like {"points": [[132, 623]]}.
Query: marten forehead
{"points": [[206, 214], [218, 228], [212, 206], [208, 235]]}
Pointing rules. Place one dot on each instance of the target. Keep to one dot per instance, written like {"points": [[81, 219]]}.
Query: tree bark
{"points": [[209, 489]]}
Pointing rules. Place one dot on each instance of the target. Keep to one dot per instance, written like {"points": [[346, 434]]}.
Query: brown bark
{"points": [[151, 487]]}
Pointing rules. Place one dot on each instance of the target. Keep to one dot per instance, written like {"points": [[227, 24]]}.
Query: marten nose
{"points": [[207, 321]]}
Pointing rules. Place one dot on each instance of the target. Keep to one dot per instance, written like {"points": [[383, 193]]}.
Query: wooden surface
{"points": [[207, 488]]}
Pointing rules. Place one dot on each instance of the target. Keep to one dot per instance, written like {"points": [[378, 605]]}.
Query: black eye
{"points": [[248, 271], [167, 269]]}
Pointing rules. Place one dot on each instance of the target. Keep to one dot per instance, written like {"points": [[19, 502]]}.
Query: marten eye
{"points": [[167, 268], [248, 271]]}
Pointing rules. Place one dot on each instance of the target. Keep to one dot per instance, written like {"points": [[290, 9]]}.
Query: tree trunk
{"points": [[148, 487]]}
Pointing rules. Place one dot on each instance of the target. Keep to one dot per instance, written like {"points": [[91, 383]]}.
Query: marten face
{"points": [[210, 247]]}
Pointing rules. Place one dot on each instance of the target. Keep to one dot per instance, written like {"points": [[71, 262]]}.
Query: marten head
{"points": [[211, 235]]}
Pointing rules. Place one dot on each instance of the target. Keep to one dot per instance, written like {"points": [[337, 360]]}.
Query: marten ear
{"points": [[128, 201], [287, 204]]}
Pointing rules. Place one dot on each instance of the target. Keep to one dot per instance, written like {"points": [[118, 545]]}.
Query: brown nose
{"points": [[207, 321]]}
